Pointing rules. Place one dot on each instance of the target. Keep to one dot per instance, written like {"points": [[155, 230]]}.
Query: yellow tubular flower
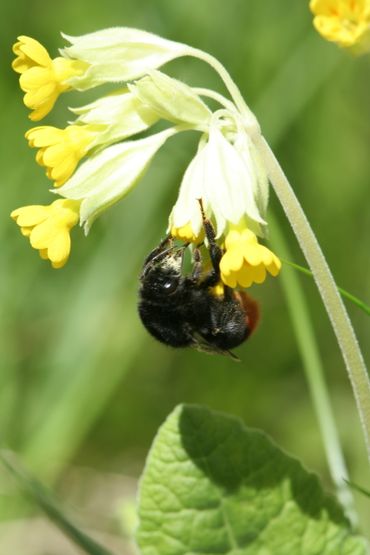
{"points": [[346, 22], [185, 233], [60, 150], [245, 261], [48, 228], [42, 79]]}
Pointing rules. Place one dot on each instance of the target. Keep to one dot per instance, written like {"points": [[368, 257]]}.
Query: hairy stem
{"points": [[333, 303], [313, 367], [249, 118]]}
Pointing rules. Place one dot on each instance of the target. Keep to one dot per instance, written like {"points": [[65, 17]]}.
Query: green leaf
{"points": [[212, 486]]}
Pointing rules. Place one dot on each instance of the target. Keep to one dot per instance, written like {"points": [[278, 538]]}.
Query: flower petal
{"points": [[28, 216]]}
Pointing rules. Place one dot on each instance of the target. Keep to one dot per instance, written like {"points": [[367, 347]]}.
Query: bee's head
{"points": [[162, 273]]}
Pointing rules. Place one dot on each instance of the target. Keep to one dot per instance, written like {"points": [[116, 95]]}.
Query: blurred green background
{"points": [[83, 388]]}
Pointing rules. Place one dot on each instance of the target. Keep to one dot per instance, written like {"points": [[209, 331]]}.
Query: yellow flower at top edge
{"points": [[48, 228], [346, 22], [245, 261], [42, 79], [60, 150]]}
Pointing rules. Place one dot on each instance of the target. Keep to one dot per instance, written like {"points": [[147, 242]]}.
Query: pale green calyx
{"points": [[119, 115], [110, 174], [225, 178], [171, 99], [259, 179], [118, 54]]}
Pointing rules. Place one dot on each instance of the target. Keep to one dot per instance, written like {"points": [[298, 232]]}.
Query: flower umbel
{"points": [[245, 261], [48, 228], [227, 172], [42, 79], [346, 22], [60, 150]]}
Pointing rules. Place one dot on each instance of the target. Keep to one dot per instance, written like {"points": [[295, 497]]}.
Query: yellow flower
{"points": [[60, 150], [42, 79], [185, 233], [48, 228], [346, 22], [245, 261]]}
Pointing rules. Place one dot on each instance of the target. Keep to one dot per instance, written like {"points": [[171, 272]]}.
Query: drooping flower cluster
{"points": [[345, 22], [226, 173]]}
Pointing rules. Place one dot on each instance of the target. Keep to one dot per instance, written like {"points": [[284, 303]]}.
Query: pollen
{"points": [[218, 290], [60, 150], [42, 79], [246, 261], [48, 228]]}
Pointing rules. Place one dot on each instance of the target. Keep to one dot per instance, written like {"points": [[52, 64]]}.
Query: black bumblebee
{"points": [[183, 311]]}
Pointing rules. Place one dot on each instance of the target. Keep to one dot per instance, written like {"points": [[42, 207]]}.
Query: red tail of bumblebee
{"points": [[250, 308]]}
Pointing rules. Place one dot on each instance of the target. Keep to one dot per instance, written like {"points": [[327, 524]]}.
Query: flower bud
{"points": [[171, 99]]}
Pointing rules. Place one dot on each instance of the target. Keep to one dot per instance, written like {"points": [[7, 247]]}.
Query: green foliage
{"points": [[213, 486]]}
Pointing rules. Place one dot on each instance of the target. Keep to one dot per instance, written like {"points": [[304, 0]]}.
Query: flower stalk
{"points": [[333, 303], [314, 370]]}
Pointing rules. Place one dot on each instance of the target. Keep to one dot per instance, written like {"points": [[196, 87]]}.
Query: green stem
{"points": [[314, 371], [333, 303], [250, 120], [209, 93]]}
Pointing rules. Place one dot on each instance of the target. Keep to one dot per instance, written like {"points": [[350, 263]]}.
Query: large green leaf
{"points": [[212, 486]]}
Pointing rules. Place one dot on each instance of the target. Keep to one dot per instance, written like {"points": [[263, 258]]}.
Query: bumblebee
{"points": [[183, 310]]}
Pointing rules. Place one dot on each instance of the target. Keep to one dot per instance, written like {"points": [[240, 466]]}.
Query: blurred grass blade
{"points": [[355, 300], [34, 489]]}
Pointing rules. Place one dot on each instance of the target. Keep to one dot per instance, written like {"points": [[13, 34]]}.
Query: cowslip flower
{"points": [[42, 79], [220, 176], [345, 22], [105, 121], [246, 261], [60, 150], [48, 228], [229, 179]]}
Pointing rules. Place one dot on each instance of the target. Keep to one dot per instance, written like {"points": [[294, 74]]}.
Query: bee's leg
{"points": [[197, 265], [215, 252]]}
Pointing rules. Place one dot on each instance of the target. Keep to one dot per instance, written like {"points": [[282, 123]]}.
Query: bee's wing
{"points": [[200, 344]]}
